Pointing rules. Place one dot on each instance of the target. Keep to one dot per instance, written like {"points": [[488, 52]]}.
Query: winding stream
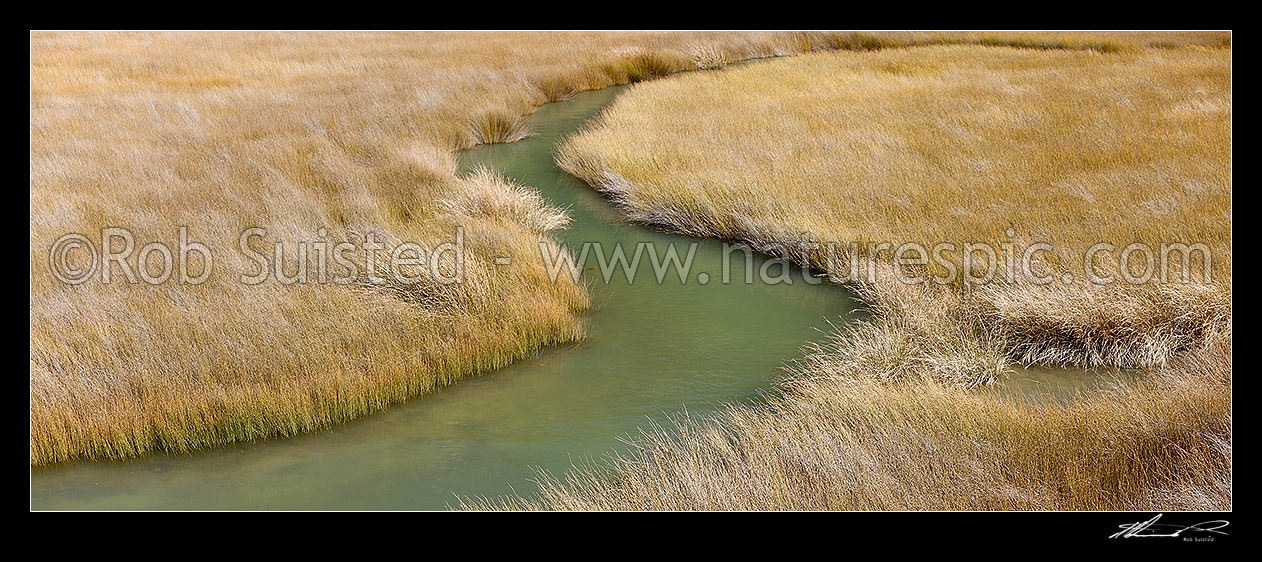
{"points": [[652, 350]]}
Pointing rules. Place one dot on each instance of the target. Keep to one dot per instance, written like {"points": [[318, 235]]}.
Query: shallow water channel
{"points": [[653, 350]]}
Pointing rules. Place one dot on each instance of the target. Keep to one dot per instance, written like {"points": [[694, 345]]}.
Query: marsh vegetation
{"points": [[1066, 138]]}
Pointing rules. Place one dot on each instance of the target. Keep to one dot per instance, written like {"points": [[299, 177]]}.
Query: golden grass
{"points": [[294, 132], [951, 144]]}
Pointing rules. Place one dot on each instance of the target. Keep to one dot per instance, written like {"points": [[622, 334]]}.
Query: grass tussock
{"points": [[912, 330], [500, 127]]}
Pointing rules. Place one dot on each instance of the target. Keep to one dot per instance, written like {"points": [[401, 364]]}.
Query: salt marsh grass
{"points": [[350, 132]]}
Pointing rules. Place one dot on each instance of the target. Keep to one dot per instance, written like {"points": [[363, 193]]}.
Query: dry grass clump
{"points": [[912, 330], [817, 157], [500, 127], [706, 57], [845, 441], [500, 200], [1101, 326]]}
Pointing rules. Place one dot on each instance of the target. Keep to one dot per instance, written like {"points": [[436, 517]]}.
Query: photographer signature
{"points": [[1151, 528]]}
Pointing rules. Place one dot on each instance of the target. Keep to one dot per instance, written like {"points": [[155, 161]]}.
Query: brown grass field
{"points": [[957, 144], [355, 133]]}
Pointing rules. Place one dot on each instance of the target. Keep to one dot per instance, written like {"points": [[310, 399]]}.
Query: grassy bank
{"points": [[849, 442], [821, 159], [956, 144]]}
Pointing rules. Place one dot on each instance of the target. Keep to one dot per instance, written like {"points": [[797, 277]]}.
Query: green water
{"points": [[652, 350]]}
